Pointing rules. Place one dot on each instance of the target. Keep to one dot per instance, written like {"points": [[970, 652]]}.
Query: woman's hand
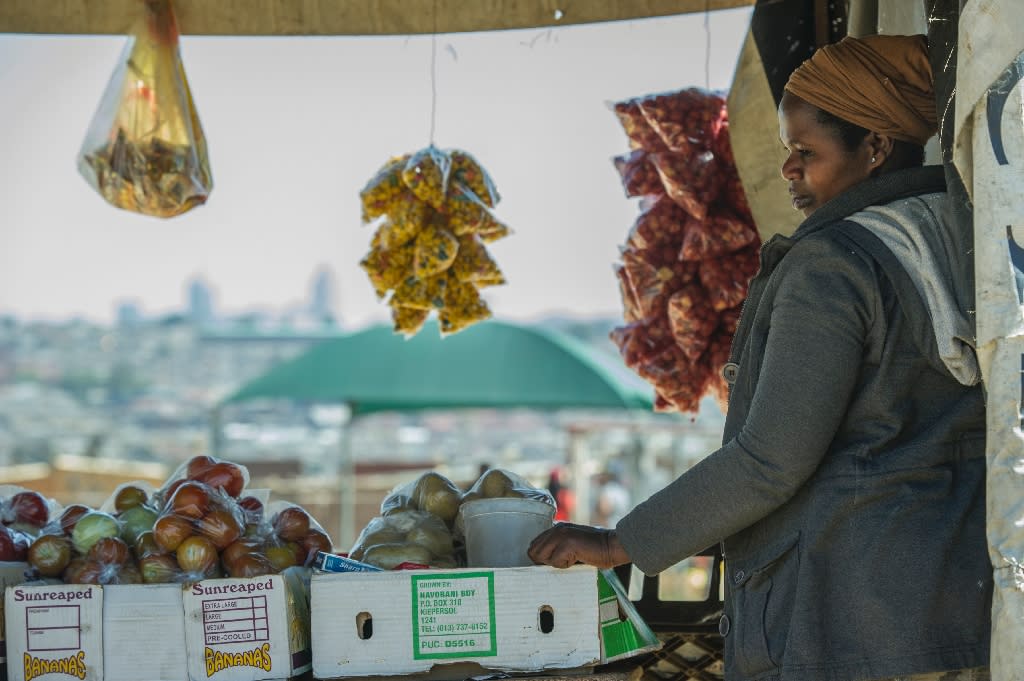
{"points": [[566, 544]]}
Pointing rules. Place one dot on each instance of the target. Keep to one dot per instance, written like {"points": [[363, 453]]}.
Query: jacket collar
{"points": [[872, 192]]}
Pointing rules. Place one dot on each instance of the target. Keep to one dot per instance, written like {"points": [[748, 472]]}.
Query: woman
{"points": [[848, 493]]}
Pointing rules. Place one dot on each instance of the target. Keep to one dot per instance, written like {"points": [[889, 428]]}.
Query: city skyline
{"points": [[297, 126]]}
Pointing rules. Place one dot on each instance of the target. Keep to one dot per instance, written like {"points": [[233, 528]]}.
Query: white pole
{"points": [[346, 488]]}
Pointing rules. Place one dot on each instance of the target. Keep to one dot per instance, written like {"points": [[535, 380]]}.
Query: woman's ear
{"points": [[880, 148]]}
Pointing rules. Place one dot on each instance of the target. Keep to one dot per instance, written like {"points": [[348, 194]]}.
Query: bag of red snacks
{"points": [[725, 279], [641, 341], [719, 233], [693, 181], [691, 252], [686, 121], [680, 382], [639, 176], [640, 133], [692, 320], [658, 230]]}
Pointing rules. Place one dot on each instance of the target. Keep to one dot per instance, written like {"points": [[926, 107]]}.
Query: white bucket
{"points": [[499, 531]]}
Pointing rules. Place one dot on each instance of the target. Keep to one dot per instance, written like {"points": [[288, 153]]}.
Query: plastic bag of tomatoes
{"points": [[24, 514], [278, 535]]}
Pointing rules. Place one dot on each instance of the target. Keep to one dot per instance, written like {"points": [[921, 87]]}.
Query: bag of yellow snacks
{"points": [[432, 211]]}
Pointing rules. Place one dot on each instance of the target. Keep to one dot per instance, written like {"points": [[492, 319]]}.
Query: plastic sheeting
{"points": [[989, 154]]}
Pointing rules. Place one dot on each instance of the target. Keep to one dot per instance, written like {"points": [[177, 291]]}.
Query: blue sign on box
{"points": [[332, 562]]}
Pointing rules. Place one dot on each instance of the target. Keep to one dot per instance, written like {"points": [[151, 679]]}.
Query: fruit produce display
{"points": [[692, 250], [433, 214], [200, 524], [24, 515], [420, 525]]}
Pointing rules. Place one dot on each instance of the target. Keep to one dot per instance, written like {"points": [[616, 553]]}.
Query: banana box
{"points": [[11, 573], [54, 631], [455, 624], [143, 633], [248, 629]]}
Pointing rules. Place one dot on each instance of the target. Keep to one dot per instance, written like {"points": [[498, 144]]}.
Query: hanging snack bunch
{"points": [[145, 151], [692, 250], [433, 217]]}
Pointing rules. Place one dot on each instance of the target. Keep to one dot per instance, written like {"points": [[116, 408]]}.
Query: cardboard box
{"points": [[54, 630], [11, 573], [248, 629], [436, 622], [144, 633], [623, 632]]}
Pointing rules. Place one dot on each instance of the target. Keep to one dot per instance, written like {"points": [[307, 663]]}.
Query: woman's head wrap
{"points": [[882, 83]]}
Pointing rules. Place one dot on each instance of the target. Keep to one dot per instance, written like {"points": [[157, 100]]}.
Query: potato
{"points": [[435, 538], [437, 494], [495, 484], [389, 556]]}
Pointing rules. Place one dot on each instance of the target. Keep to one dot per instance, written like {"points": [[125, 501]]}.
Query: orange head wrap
{"points": [[882, 83]]}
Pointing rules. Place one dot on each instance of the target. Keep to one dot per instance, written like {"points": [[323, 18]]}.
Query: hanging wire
{"points": [[433, 76], [707, 44]]}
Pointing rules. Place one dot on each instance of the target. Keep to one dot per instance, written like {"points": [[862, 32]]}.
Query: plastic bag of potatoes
{"points": [[406, 536]]}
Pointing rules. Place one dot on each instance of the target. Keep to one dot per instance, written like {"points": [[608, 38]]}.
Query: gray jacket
{"points": [[849, 489]]}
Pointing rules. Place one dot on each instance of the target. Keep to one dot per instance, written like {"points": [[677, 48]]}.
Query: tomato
{"points": [[109, 551], [30, 507], [223, 475], [170, 530], [291, 524], [70, 517], [253, 509], [236, 550], [198, 464], [219, 526], [50, 554], [281, 557], [191, 500], [159, 569], [145, 545], [130, 496], [313, 542], [252, 565], [197, 556]]}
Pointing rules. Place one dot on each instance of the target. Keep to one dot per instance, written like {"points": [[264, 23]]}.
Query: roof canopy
{"points": [[338, 17], [489, 365]]}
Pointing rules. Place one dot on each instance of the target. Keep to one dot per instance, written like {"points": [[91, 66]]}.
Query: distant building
{"points": [[200, 302], [322, 297], [128, 314]]}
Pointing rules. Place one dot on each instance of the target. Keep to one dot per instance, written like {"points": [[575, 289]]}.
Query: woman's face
{"points": [[818, 167]]}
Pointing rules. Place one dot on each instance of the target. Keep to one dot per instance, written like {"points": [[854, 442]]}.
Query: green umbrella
{"points": [[489, 365]]}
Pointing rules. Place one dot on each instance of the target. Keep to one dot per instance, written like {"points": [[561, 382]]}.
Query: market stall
{"points": [[376, 370], [979, 142]]}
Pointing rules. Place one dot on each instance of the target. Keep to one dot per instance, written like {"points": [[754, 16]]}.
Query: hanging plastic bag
{"points": [[145, 151]]}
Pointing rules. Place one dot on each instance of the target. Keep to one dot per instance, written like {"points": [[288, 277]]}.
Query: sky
{"points": [[296, 127]]}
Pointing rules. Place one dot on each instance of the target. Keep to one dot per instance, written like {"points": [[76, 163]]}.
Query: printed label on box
{"points": [[54, 630], [453, 615], [240, 629], [235, 620]]}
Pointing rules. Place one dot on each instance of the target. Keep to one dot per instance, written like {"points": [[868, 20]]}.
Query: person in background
{"points": [[565, 500], [849, 491], [612, 500]]}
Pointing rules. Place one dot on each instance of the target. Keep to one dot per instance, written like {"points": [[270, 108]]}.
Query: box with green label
{"points": [[453, 623]]}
